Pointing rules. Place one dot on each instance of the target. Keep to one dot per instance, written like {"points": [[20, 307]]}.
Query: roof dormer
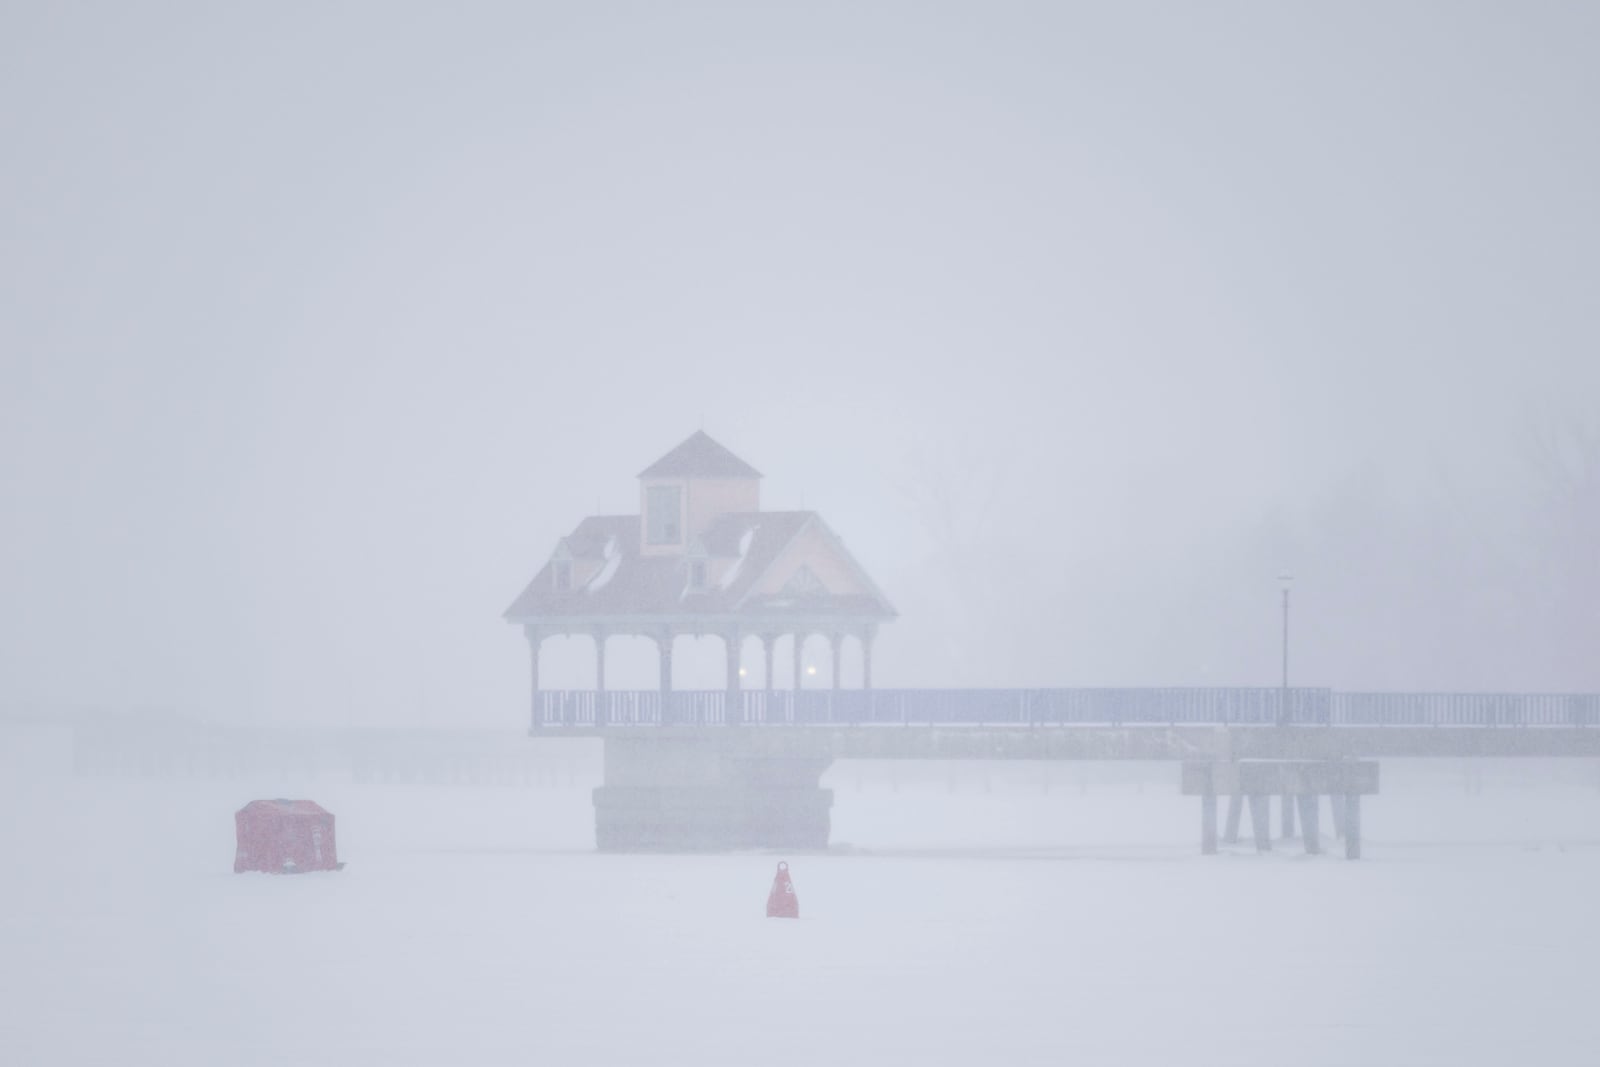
{"points": [[663, 516], [688, 489]]}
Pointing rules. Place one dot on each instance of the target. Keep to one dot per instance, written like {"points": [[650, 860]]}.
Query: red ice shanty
{"points": [[284, 837]]}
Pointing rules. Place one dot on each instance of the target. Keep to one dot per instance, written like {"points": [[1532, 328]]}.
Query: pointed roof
{"points": [[699, 457], [643, 587]]}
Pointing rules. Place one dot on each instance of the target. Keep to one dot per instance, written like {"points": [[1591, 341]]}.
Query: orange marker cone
{"points": [[781, 902]]}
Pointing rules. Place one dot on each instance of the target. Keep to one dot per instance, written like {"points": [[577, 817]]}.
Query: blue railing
{"points": [[1065, 707], [1466, 709]]}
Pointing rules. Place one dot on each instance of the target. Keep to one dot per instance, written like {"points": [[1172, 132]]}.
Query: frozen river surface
{"points": [[962, 918]]}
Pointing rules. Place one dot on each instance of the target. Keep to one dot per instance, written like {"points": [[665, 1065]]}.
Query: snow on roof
{"points": [[745, 540], [283, 806], [613, 557], [633, 584]]}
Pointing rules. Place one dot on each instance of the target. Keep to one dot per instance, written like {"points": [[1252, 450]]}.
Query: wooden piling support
{"points": [[1261, 820], [1295, 783], [1309, 832]]}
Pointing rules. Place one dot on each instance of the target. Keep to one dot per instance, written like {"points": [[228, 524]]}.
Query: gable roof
{"points": [[699, 457], [644, 586]]}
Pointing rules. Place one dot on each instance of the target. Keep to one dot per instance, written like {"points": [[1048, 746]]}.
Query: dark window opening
{"points": [[663, 522]]}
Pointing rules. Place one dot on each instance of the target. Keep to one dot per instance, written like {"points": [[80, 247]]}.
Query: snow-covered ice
{"points": [[968, 914]]}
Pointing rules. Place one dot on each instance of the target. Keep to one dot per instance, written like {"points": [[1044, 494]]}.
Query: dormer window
{"points": [[561, 575], [663, 520], [697, 574]]}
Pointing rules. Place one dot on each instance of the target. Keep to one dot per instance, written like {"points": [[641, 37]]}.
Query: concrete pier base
{"points": [[667, 819], [707, 790]]}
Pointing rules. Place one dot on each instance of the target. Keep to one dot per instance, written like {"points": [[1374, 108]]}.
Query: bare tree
{"points": [[1564, 465], [953, 490]]}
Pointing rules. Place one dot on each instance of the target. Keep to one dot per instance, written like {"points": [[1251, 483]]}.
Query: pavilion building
{"points": [[700, 558]]}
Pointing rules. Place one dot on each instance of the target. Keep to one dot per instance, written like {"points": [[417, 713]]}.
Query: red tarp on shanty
{"points": [[284, 836]]}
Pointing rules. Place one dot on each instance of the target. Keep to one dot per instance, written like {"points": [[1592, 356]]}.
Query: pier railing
{"points": [[1065, 707]]}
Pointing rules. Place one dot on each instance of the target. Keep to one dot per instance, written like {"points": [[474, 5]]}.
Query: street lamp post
{"points": [[1288, 801], [1284, 581]]}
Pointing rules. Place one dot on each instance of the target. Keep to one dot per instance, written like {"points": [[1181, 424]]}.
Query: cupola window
{"points": [[663, 520]]}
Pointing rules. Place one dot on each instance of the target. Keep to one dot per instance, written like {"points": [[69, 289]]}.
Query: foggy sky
{"points": [[321, 323]]}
